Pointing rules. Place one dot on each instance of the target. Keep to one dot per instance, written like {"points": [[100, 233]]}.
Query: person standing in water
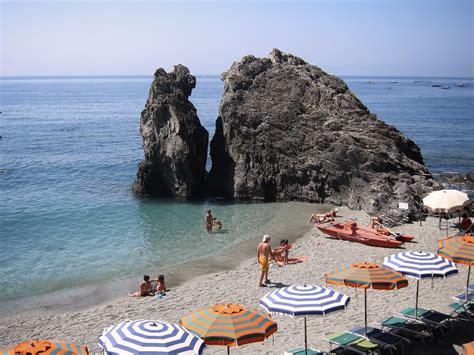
{"points": [[264, 252], [208, 221]]}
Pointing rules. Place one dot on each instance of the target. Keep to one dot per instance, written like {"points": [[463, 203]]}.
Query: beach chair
{"points": [[461, 311], [388, 341], [461, 298], [352, 342], [407, 327], [434, 319], [301, 351]]}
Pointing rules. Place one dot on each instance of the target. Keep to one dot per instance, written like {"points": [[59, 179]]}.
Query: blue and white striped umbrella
{"points": [[304, 301], [420, 265], [149, 337]]}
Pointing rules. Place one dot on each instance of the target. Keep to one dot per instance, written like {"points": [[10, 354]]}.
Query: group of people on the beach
{"points": [[265, 254], [150, 287]]}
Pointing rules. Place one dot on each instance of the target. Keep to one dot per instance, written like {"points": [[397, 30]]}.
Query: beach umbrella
{"points": [[229, 324], [303, 301], [420, 265], [149, 337], [468, 348], [367, 275], [33, 347], [446, 201], [461, 251]]}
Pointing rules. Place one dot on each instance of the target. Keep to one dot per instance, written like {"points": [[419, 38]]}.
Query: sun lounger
{"points": [[462, 297], [353, 342], [434, 319], [461, 311], [408, 327], [301, 351], [386, 340]]}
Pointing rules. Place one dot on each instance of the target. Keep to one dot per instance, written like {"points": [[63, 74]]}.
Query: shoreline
{"points": [[96, 294], [239, 285]]}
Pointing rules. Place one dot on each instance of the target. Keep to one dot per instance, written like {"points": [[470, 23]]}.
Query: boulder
{"points": [[174, 141], [287, 130]]}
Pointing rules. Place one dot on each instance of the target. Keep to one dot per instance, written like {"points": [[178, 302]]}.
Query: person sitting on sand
{"points": [[324, 217], [145, 288], [280, 255], [216, 225], [160, 285], [465, 224]]}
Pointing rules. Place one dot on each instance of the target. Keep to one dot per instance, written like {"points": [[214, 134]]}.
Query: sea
{"points": [[69, 151]]}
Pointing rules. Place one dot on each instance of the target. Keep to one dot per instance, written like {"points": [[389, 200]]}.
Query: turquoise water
{"points": [[68, 157]]}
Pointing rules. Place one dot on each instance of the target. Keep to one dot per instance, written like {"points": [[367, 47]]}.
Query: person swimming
{"points": [[216, 225]]}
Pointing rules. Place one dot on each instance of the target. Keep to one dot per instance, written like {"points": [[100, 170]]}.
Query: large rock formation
{"points": [[289, 131], [175, 143]]}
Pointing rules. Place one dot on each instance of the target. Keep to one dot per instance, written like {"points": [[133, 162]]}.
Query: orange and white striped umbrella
{"points": [[367, 275], [468, 348], [460, 250], [47, 347], [230, 324]]}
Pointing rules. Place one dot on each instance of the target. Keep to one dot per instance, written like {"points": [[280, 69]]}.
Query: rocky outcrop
{"points": [[289, 131], [174, 142]]}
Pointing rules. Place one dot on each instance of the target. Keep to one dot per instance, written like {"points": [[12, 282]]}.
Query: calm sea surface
{"points": [[69, 154]]}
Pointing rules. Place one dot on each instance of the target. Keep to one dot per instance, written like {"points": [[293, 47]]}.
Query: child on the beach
{"points": [[216, 225], [160, 285]]}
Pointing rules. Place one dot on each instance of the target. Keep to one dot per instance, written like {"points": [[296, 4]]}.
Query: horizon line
{"points": [[75, 76]]}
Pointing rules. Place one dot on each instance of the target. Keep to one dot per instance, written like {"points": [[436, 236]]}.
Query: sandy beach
{"points": [[239, 285]]}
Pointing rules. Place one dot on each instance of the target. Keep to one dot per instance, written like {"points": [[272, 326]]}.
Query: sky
{"points": [[343, 37]]}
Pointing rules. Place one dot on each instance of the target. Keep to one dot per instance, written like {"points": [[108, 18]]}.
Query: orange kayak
{"points": [[352, 232]]}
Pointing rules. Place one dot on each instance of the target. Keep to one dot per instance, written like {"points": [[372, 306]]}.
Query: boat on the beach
{"points": [[445, 87], [354, 233]]}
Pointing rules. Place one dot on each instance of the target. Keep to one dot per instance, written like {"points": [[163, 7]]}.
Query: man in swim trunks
{"points": [[264, 252]]}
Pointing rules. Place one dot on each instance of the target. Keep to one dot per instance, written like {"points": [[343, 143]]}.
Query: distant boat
{"points": [[463, 85], [394, 82], [445, 87], [436, 85]]}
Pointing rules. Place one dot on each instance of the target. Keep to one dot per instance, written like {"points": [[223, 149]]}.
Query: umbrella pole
{"points": [[228, 350], [305, 338], [416, 302], [467, 284], [365, 304]]}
